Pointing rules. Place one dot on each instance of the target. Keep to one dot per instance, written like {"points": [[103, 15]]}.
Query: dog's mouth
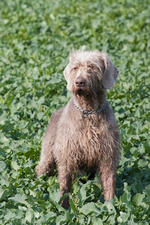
{"points": [[82, 92]]}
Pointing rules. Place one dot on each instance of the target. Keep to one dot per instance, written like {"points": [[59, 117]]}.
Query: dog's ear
{"points": [[110, 73], [66, 75]]}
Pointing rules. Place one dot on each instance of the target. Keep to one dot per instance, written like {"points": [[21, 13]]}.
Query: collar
{"points": [[86, 112]]}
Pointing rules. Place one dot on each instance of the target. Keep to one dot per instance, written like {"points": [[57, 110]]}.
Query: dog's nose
{"points": [[80, 82]]}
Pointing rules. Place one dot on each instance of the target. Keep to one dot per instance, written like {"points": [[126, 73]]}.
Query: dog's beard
{"points": [[84, 92], [81, 92]]}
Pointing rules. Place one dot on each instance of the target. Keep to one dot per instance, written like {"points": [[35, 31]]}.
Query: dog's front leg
{"points": [[108, 178], [65, 180], [47, 161]]}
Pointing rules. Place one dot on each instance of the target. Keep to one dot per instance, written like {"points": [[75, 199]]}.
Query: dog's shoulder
{"points": [[61, 116], [69, 113], [53, 124], [109, 115], [57, 115]]}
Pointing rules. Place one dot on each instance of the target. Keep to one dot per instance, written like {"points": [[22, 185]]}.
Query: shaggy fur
{"points": [[75, 143]]}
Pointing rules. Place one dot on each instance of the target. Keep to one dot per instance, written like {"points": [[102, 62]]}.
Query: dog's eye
{"points": [[92, 67], [75, 68]]}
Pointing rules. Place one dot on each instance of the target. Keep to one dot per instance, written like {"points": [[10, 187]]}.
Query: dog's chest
{"points": [[85, 142]]}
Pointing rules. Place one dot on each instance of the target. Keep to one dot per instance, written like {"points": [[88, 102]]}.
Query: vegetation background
{"points": [[36, 38]]}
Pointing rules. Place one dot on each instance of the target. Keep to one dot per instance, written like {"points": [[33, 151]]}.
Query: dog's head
{"points": [[90, 71]]}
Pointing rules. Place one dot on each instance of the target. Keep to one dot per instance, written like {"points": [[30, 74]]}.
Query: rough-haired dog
{"points": [[84, 135]]}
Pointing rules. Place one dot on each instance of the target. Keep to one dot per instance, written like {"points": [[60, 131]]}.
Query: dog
{"points": [[84, 134]]}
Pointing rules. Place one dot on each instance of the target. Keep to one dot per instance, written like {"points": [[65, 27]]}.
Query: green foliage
{"points": [[35, 40]]}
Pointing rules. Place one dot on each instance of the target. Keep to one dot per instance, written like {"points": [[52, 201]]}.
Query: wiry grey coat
{"points": [[75, 141]]}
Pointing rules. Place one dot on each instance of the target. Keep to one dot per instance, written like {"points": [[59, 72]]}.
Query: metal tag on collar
{"points": [[85, 113]]}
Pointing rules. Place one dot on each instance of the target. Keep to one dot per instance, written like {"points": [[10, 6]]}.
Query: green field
{"points": [[36, 38]]}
